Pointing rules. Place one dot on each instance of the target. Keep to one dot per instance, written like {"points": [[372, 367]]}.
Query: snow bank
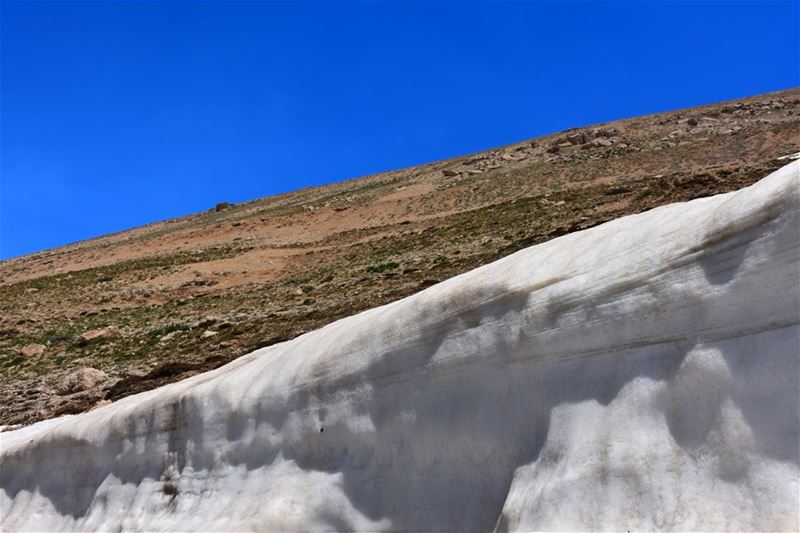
{"points": [[639, 375]]}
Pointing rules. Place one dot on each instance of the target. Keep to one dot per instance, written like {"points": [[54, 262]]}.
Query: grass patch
{"points": [[383, 267], [165, 329]]}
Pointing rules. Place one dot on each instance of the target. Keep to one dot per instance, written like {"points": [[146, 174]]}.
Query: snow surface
{"points": [[643, 374]]}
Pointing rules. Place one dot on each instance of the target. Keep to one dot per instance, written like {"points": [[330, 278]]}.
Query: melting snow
{"points": [[642, 374]]}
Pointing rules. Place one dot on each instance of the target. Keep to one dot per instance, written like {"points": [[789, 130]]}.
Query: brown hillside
{"points": [[181, 296]]}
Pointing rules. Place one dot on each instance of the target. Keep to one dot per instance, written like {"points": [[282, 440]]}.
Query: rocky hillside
{"points": [[92, 322], [636, 376]]}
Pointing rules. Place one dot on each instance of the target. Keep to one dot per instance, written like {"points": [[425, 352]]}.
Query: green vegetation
{"points": [[383, 267], [105, 274]]}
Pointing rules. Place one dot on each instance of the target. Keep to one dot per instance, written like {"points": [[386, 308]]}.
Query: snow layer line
{"points": [[643, 374]]}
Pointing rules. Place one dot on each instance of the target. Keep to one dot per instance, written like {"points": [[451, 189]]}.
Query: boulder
{"points": [[576, 138], [604, 132], [96, 335], [33, 350], [475, 160], [600, 141], [81, 380]]}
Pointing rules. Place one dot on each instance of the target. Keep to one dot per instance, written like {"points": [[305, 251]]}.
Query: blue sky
{"points": [[117, 114]]}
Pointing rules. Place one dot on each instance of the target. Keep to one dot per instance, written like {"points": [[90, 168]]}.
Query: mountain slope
{"points": [[638, 375], [190, 294]]}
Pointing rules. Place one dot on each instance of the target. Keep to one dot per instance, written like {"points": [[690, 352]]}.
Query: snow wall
{"points": [[642, 374]]}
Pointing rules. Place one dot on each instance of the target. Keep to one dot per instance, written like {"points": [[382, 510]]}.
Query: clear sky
{"points": [[117, 114]]}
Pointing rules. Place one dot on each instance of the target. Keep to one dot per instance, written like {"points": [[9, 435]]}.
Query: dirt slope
{"points": [[184, 295]]}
